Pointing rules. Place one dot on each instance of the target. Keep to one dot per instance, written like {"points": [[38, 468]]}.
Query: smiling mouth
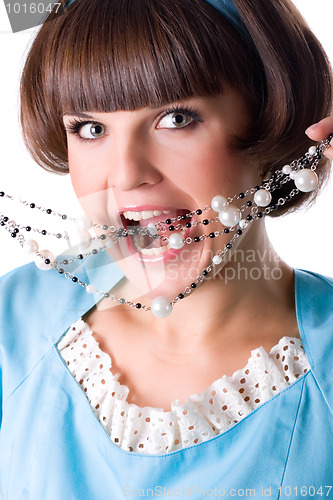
{"points": [[146, 244]]}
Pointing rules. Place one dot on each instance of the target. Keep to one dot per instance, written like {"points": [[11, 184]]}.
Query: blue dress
{"points": [[52, 446]]}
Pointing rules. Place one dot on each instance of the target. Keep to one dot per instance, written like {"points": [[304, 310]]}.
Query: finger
{"points": [[321, 130]]}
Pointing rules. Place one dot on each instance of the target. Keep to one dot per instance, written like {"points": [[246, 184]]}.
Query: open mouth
{"points": [[147, 244]]}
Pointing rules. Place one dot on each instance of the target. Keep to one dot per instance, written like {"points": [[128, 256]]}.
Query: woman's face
{"points": [[168, 160]]}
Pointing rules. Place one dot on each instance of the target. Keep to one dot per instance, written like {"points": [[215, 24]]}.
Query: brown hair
{"points": [[128, 54]]}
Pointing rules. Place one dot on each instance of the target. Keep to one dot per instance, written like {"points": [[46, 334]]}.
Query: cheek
{"points": [[218, 171], [87, 175]]}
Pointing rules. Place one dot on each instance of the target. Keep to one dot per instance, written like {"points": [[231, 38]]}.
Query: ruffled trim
{"points": [[201, 417]]}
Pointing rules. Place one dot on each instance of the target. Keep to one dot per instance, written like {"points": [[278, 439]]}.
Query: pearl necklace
{"points": [[301, 171]]}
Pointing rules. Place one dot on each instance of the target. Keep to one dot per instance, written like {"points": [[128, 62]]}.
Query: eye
{"points": [[91, 131], [85, 130], [178, 118]]}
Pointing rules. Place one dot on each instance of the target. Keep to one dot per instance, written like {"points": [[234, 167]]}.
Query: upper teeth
{"points": [[146, 214]]}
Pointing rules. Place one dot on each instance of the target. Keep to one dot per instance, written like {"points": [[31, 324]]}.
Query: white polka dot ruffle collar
{"points": [[201, 417]]}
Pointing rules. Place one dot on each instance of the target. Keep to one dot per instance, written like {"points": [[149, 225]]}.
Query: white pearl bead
{"points": [[306, 180], [30, 246], [243, 224], [286, 169], [176, 241], [217, 260], [83, 223], [230, 216], [40, 260], [161, 307], [312, 151], [292, 174], [90, 288], [218, 203], [262, 198]]}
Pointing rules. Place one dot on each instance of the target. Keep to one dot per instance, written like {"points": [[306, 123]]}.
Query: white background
{"points": [[303, 240]]}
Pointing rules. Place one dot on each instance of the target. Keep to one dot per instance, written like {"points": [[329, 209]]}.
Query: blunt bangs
{"points": [[150, 58]]}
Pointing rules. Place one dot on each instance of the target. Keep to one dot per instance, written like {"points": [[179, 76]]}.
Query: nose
{"points": [[132, 165]]}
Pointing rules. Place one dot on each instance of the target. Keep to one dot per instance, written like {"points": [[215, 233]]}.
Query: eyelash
{"points": [[74, 126]]}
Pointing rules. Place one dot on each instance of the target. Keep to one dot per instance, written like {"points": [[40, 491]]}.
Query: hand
{"points": [[320, 131]]}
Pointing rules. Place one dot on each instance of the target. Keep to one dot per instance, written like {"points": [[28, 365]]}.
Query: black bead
{"points": [[80, 256], [196, 239], [2, 193], [249, 203], [205, 222], [107, 295], [94, 252], [168, 221], [32, 205], [138, 305], [102, 237], [188, 224], [122, 301], [204, 272], [171, 228], [105, 227], [65, 262], [288, 197], [228, 246], [239, 232], [193, 285], [47, 261], [226, 230], [59, 235], [198, 212], [5, 219], [318, 156], [44, 232], [275, 207], [61, 271], [16, 230], [212, 235], [181, 296], [13, 235], [305, 162], [257, 188], [75, 279], [241, 195], [260, 215], [49, 211], [28, 228], [64, 216], [249, 217], [183, 217], [2, 223]]}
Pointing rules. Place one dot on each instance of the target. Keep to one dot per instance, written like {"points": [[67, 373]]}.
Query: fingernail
{"points": [[312, 128]]}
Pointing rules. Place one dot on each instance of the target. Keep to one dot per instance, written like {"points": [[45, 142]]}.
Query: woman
{"points": [[175, 107]]}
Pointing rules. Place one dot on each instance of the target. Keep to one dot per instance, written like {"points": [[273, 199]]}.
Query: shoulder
{"points": [[314, 309], [36, 307], [314, 298]]}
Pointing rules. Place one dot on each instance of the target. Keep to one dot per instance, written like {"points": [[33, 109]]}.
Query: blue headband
{"points": [[226, 7], [229, 10]]}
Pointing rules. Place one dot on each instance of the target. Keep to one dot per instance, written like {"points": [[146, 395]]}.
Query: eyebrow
{"points": [[80, 114]]}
